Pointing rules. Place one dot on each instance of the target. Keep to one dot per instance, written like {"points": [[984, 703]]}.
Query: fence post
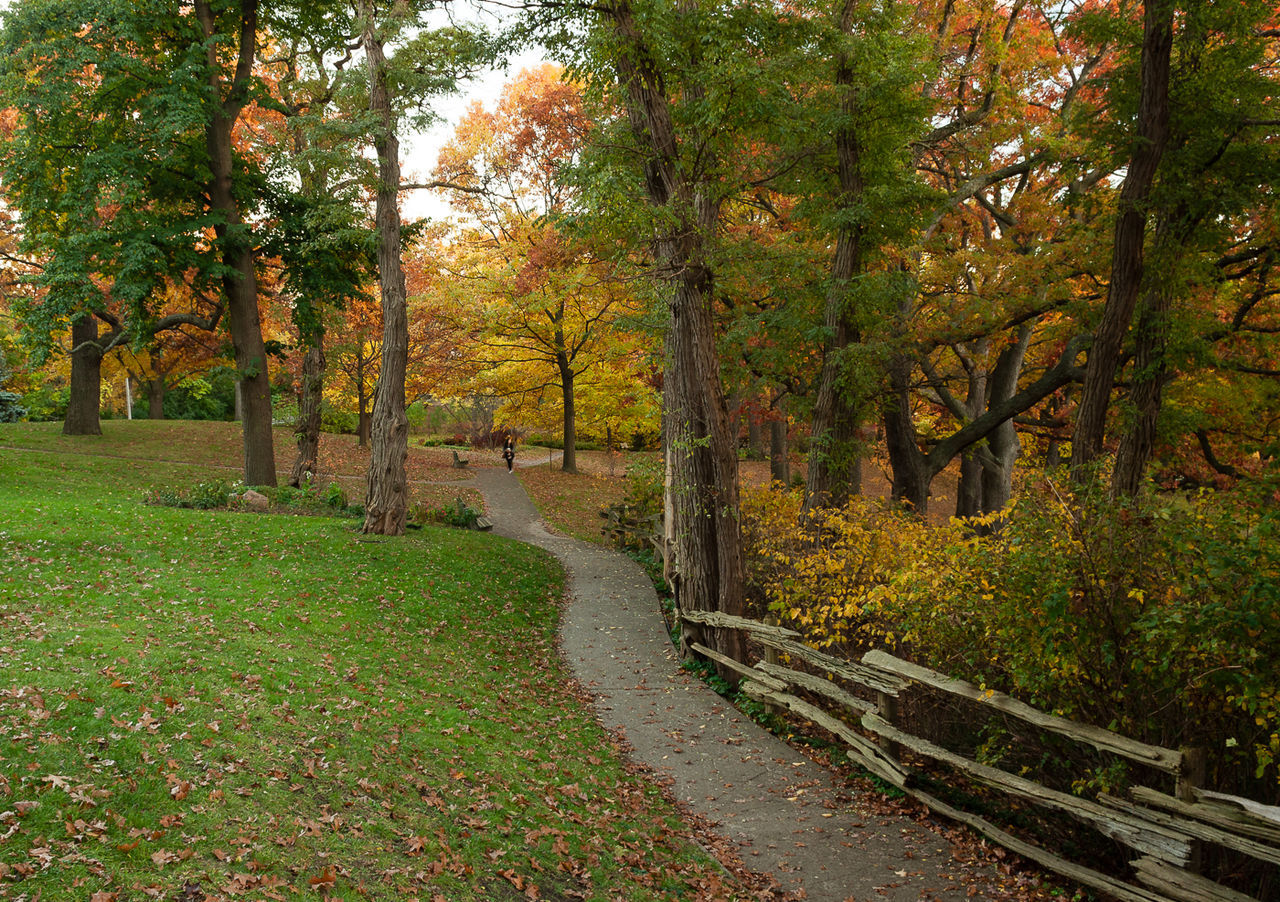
{"points": [[888, 707], [1191, 776], [771, 656]]}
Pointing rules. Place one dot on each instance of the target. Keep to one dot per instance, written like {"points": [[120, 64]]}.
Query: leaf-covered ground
{"points": [[199, 705]]}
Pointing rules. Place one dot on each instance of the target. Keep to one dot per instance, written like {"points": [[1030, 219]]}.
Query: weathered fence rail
{"points": [[1165, 830]]}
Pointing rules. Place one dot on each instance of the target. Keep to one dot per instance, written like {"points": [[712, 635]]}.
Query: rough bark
{"points": [[387, 501], [835, 454], [1130, 234], [307, 430], [85, 396], [155, 398], [702, 462], [1149, 376], [569, 463], [779, 459], [911, 474], [240, 285]]}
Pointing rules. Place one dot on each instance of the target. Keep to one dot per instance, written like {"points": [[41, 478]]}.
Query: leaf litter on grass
{"points": [[225, 706]]}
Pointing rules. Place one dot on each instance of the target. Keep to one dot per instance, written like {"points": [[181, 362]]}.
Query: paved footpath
{"points": [[779, 807]]}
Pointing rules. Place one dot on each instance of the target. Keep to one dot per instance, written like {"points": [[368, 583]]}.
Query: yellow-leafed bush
{"points": [[824, 574]]}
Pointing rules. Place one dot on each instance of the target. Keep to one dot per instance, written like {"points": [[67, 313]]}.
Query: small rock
{"points": [[255, 501]]}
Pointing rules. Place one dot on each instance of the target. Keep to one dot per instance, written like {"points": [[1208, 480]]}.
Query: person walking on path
{"points": [[509, 452]]}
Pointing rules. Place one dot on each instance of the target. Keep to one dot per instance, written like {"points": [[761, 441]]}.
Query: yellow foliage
{"points": [[825, 576]]}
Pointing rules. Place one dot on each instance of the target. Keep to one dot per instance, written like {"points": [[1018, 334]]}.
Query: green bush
{"points": [[209, 495], [46, 404], [458, 514], [338, 421], [208, 397]]}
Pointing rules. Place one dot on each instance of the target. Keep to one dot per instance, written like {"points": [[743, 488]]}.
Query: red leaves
{"points": [[521, 883], [326, 879]]}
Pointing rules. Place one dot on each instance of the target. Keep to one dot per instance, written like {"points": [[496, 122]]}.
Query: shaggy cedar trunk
{"points": [[1130, 234], [704, 469], [240, 285], [704, 542], [308, 428], [86, 379], [835, 456], [387, 501]]}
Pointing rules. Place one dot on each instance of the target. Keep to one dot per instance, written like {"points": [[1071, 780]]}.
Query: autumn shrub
{"points": [[823, 574], [1159, 620]]}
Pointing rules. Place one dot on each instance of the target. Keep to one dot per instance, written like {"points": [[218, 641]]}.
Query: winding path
{"points": [[783, 811]]}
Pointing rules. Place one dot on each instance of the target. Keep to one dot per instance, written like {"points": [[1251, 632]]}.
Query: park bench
{"points": [[460, 462]]}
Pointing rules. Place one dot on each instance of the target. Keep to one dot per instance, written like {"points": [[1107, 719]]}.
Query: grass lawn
{"points": [[211, 705]]}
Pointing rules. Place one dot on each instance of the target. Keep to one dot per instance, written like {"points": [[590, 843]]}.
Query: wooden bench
{"points": [[460, 463]]}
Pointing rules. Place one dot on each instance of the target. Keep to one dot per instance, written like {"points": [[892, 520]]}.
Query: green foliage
{"points": [[46, 403], [206, 495], [631, 522], [211, 396], [458, 514], [335, 420]]}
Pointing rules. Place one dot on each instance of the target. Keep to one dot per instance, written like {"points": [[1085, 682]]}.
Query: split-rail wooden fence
{"points": [[1166, 831]]}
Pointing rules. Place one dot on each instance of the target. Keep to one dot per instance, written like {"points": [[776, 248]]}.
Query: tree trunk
{"points": [[1003, 446], [1149, 374], [309, 405], [240, 284], [704, 469], [702, 492], [835, 453], [85, 396], [969, 490], [911, 475], [755, 434], [569, 464], [1130, 234], [779, 459], [387, 501], [155, 398]]}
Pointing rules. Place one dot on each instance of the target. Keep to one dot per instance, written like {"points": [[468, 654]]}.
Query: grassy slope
{"points": [[245, 706]]}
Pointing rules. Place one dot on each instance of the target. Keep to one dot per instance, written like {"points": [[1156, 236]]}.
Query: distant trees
{"points": [[535, 296]]}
